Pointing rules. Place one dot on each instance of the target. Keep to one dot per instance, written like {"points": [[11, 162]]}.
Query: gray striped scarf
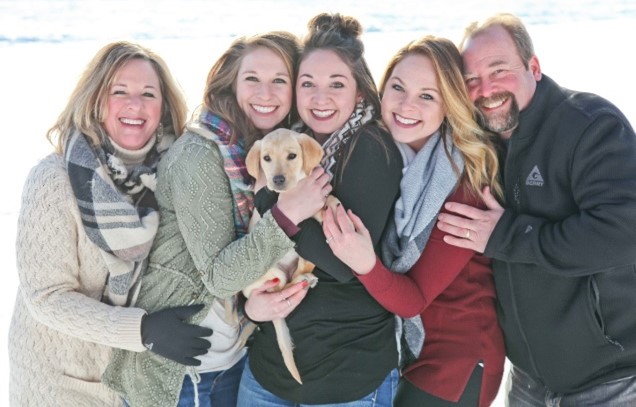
{"points": [[362, 114], [117, 208]]}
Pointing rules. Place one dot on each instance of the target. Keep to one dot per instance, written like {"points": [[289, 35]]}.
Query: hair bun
{"points": [[346, 26]]}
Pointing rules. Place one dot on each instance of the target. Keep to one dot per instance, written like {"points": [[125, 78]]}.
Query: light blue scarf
{"points": [[429, 178]]}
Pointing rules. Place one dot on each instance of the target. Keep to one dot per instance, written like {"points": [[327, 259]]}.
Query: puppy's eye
{"points": [[267, 158], [291, 156]]}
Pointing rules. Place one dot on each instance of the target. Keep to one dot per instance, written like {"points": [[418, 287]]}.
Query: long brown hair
{"points": [[220, 89], [341, 34]]}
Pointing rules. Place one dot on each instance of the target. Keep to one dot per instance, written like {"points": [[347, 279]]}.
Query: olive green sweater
{"points": [[195, 260]]}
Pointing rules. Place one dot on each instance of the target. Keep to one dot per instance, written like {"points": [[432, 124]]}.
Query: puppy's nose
{"points": [[279, 180]]}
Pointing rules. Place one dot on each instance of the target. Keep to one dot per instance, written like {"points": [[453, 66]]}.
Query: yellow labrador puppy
{"points": [[285, 157]]}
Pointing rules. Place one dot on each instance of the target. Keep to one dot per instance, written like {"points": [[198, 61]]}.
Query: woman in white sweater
{"points": [[86, 224]]}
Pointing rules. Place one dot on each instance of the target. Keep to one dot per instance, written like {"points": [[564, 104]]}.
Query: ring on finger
{"points": [[329, 239], [467, 234], [288, 302]]}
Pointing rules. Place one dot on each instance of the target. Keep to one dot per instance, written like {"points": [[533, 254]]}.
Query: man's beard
{"points": [[499, 122]]}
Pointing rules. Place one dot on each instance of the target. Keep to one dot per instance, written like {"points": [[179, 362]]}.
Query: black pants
{"points": [[407, 395]]}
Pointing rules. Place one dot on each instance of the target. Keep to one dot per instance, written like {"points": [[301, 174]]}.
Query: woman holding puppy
{"points": [[447, 156], [202, 252], [345, 346]]}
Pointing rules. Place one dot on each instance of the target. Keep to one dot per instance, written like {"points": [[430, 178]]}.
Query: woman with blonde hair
{"points": [[86, 225], [449, 290], [203, 253]]}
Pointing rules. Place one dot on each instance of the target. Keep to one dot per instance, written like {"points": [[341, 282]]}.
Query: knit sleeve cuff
{"points": [[283, 221], [129, 329], [378, 279]]}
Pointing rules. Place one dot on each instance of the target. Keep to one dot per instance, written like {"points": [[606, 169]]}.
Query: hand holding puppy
{"points": [[263, 305], [307, 197]]}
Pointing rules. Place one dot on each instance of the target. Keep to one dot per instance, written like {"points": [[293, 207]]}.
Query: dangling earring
{"points": [[360, 104], [159, 132]]}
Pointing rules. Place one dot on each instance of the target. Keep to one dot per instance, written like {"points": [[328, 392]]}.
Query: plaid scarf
{"points": [[234, 164], [117, 208], [362, 114]]}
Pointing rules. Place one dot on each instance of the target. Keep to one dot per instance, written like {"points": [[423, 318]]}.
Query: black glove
{"points": [[165, 333]]}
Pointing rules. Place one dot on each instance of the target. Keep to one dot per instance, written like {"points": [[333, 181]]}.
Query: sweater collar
{"points": [[132, 158]]}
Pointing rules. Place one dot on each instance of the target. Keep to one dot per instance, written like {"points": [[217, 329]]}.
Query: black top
{"points": [[564, 251], [344, 341]]}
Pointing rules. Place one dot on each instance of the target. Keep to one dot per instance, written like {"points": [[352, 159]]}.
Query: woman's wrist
{"points": [[365, 268], [241, 304], [284, 222], [288, 213]]}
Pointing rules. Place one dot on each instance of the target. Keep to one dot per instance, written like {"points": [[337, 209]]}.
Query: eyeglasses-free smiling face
{"points": [[497, 80], [412, 105], [264, 88], [133, 107], [326, 92]]}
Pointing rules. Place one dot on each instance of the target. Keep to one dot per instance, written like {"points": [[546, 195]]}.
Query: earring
{"points": [[159, 132]]}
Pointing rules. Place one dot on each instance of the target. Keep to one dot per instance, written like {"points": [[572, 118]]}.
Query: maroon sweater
{"points": [[453, 291]]}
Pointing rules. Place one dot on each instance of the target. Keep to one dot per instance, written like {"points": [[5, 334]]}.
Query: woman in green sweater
{"points": [[202, 253]]}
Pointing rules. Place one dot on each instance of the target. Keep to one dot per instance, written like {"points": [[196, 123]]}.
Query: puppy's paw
{"points": [[309, 278]]}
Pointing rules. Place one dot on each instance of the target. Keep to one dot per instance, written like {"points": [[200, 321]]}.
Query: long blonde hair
{"points": [[87, 105], [481, 166]]}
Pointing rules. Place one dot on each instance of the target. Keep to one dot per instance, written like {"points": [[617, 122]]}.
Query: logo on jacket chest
{"points": [[534, 179]]}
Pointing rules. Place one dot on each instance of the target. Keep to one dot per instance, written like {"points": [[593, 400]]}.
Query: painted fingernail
{"points": [[275, 280], [305, 284]]}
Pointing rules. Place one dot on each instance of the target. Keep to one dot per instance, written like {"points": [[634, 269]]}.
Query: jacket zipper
{"points": [[599, 315], [517, 203]]}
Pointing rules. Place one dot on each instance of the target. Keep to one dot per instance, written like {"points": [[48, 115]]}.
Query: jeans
{"points": [[251, 394], [216, 389], [523, 391]]}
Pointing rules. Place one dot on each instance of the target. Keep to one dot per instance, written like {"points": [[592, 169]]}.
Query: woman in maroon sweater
{"points": [[447, 158]]}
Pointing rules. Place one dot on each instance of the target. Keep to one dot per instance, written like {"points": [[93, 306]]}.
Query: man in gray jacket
{"points": [[564, 245]]}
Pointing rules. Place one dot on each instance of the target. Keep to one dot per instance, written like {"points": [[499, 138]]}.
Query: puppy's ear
{"points": [[253, 160], [312, 152]]}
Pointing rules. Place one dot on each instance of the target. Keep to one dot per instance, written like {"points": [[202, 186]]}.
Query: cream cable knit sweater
{"points": [[61, 335]]}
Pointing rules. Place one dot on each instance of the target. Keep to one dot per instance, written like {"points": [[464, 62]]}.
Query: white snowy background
{"points": [[45, 45]]}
